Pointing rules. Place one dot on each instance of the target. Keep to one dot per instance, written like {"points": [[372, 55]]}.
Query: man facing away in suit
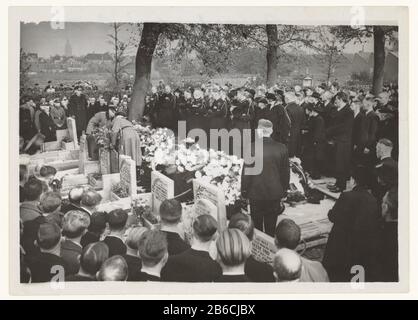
{"points": [[266, 189], [339, 133]]}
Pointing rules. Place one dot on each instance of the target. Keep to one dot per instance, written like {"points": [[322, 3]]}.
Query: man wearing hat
{"points": [[217, 112], [58, 115], [279, 117], [195, 110], [242, 111], [266, 189], [77, 108], [165, 110]]}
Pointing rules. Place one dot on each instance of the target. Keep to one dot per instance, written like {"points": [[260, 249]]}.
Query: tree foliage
{"points": [[382, 36], [120, 59], [24, 68]]}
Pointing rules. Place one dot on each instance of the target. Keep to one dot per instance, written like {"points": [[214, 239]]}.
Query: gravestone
{"points": [[61, 134], [263, 247], [127, 172], [51, 146], [104, 159], [114, 161], [83, 153], [204, 206], [72, 131], [91, 167], [108, 181], [162, 188], [212, 194]]}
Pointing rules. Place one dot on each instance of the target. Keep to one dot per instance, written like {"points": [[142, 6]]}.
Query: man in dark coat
{"points": [[47, 125], [297, 119], [47, 264], [77, 108], [93, 107], [242, 112], [217, 111], [385, 172], [339, 133], [276, 114], [194, 110], [315, 142], [26, 126], [359, 136], [170, 214], [266, 189], [166, 111], [371, 126], [355, 236], [116, 220], [195, 264], [329, 109]]}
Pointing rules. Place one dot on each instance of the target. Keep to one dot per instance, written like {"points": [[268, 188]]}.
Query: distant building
{"points": [[68, 50], [32, 57], [98, 57]]}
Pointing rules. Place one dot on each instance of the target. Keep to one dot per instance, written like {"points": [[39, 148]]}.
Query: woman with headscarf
{"points": [[125, 139]]}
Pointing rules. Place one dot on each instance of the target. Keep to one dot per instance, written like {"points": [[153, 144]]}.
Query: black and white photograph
{"points": [[264, 148]]}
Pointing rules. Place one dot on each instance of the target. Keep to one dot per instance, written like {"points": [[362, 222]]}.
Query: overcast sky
{"points": [[88, 37]]}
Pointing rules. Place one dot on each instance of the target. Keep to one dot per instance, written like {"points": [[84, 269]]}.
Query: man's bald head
{"points": [[287, 265], [113, 269], [74, 196], [90, 199]]}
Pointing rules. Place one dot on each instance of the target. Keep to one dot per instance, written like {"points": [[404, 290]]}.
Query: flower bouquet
{"points": [[118, 191], [153, 139], [67, 143], [224, 171]]}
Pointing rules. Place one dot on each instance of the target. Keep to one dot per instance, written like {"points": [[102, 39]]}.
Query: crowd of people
{"points": [[72, 237], [347, 134]]}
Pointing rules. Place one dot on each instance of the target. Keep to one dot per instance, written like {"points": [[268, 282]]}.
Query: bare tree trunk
{"points": [[115, 26], [329, 71], [272, 58], [379, 59], [143, 61]]}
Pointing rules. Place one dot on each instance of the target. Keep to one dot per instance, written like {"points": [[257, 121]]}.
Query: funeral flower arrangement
{"points": [[153, 139], [224, 171], [214, 167], [102, 137]]}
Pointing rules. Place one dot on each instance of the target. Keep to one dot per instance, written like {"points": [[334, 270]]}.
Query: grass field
{"points": [[101, 79]]}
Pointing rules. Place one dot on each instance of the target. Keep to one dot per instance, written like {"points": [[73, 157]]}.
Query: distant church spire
{"points": [[68, 51]]}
